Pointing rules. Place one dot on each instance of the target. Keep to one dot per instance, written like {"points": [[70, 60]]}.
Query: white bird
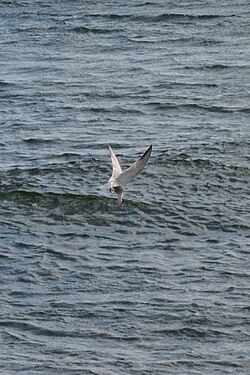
{"points": [[119, 178]]}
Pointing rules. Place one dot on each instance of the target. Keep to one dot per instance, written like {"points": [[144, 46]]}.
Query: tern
{"points": [[119, 178]]}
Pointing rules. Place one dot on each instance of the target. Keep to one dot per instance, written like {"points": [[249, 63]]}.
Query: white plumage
{"points": [[119, 178]]}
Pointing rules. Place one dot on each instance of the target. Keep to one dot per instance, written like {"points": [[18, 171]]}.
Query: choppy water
{"points": [[161, 287]]}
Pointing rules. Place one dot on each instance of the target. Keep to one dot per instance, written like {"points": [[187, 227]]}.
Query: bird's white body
{"points": [[119, 178]]}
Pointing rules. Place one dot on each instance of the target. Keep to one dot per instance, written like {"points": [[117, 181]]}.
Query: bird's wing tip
{"points": [[110, 149], [147, 152]]}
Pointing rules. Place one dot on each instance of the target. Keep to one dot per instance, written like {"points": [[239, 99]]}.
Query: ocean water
{"points": [[161, 286]]}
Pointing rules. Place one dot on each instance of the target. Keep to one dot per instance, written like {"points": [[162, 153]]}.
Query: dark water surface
{"points": [[162, 286]]}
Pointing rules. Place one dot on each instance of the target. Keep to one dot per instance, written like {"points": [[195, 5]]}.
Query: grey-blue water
{"points": [[161, 286]]}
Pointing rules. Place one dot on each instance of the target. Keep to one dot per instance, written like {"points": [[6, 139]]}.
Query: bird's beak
{"points": [[121, 204]]}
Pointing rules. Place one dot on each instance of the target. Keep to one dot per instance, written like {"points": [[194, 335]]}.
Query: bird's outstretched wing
{"points": [[134, 169], [115, 163], [116, 169]]}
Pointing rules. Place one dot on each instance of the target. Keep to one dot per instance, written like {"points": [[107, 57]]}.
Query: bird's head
{"points": [[119, 191]]}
